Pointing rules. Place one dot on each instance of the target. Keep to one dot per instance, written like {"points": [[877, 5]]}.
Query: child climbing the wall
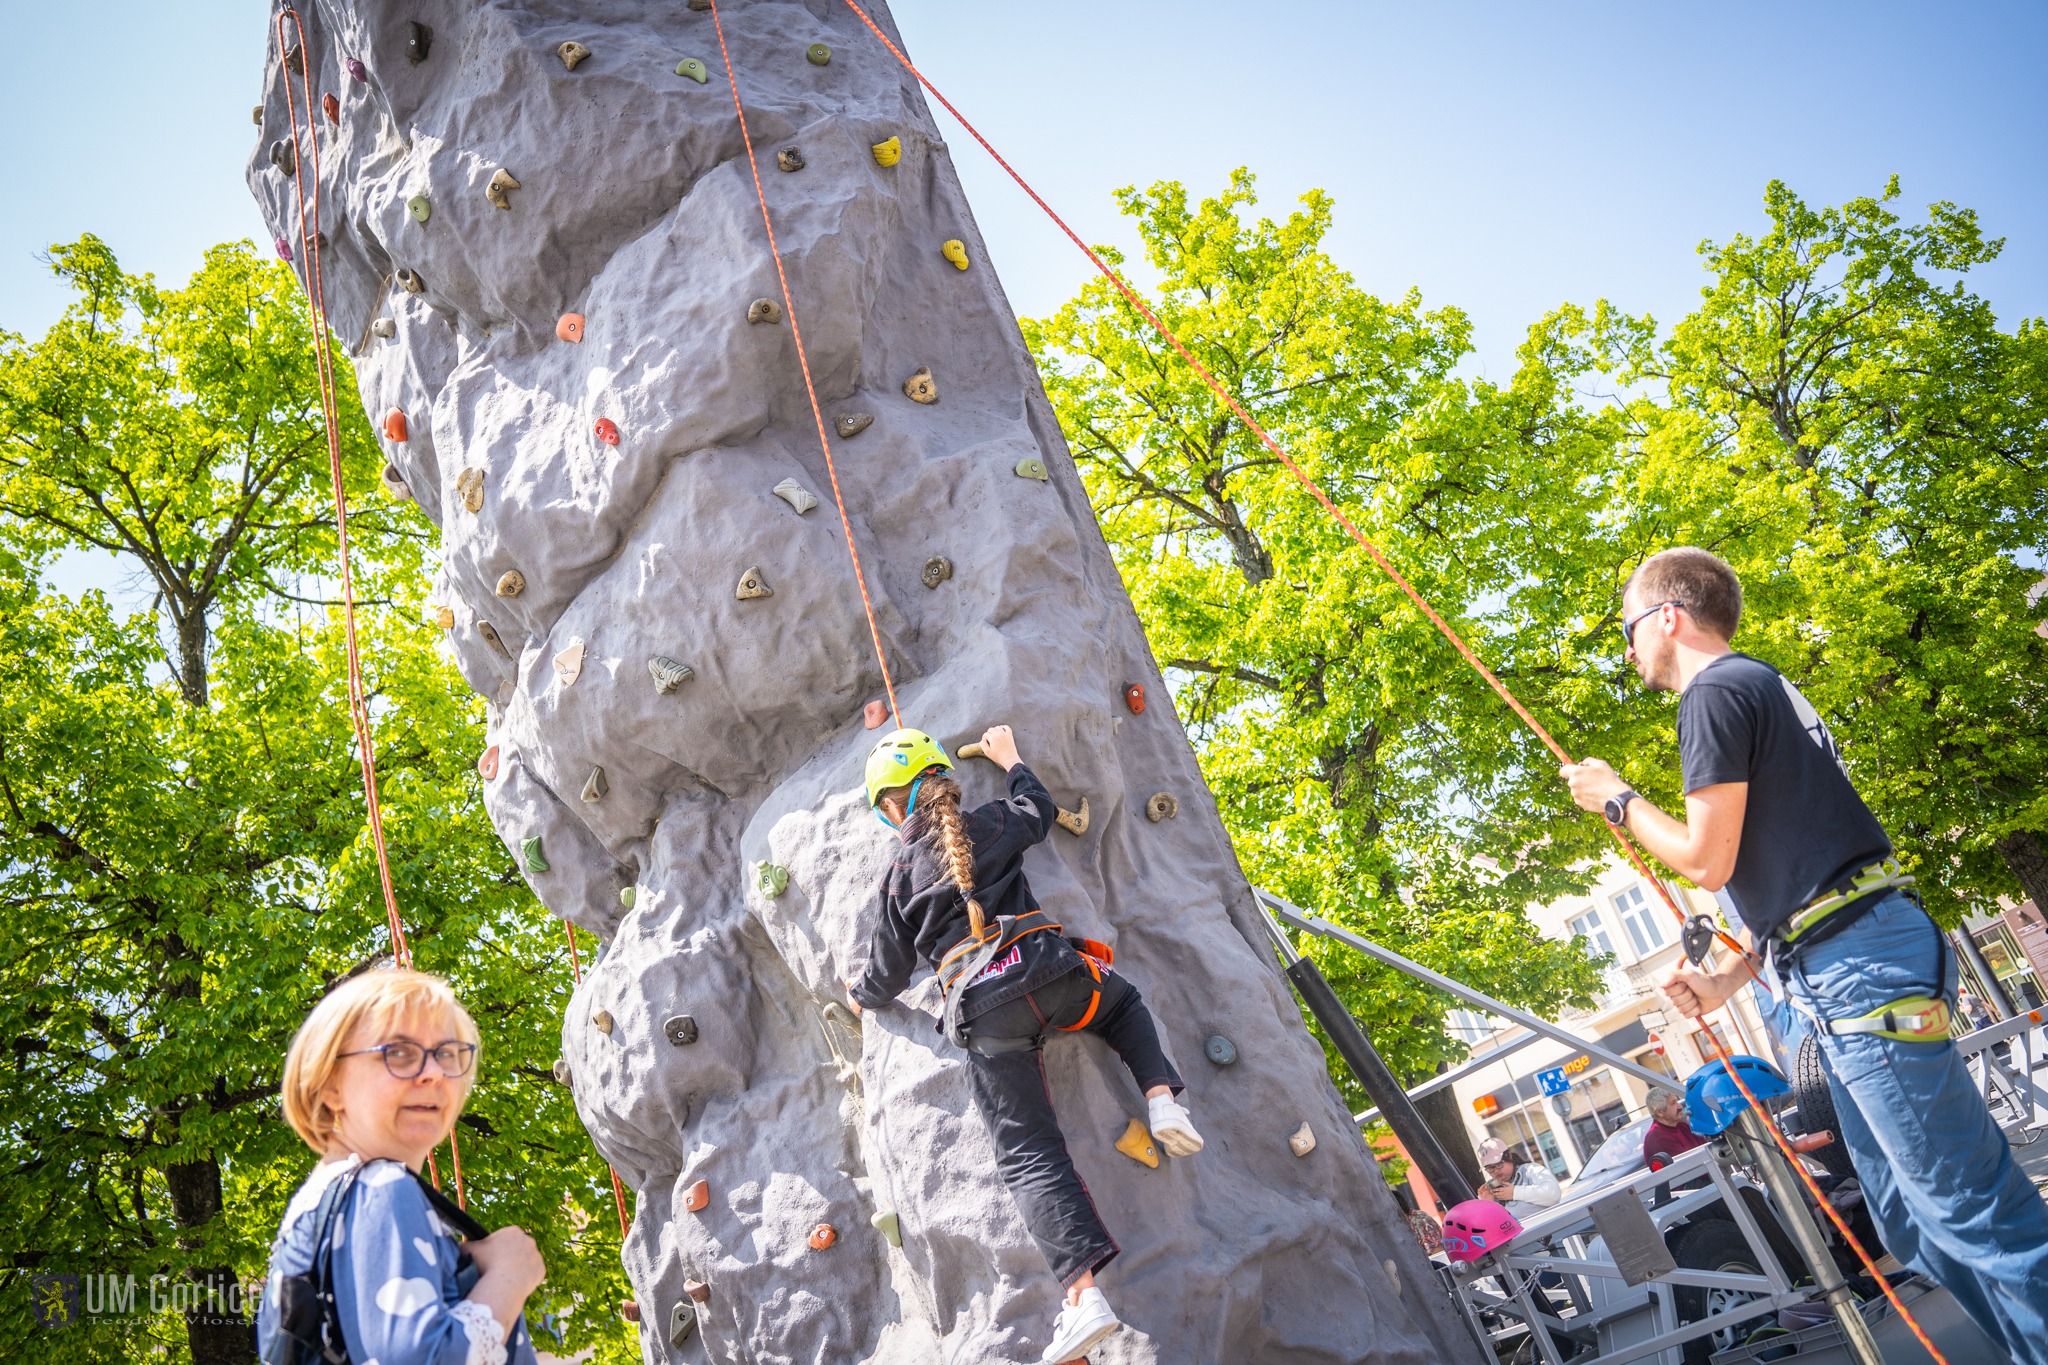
{"points": [[956, 896]]}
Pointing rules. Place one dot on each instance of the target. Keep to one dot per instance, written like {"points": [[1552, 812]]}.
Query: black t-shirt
{"points": [[1804, 828]]}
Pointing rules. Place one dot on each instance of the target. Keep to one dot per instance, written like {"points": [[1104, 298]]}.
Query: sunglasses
{"points": [[1628, 625], [407, 1060]]}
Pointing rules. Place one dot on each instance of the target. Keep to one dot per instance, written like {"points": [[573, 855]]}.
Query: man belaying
{"points": [[1770, 815], [1009, 978]]}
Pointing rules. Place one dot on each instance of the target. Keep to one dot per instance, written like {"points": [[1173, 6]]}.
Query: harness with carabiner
{"points": [[965, 960], [1908, 1019]]}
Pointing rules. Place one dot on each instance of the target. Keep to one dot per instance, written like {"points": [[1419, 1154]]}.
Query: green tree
{"points": [[187, 864]]}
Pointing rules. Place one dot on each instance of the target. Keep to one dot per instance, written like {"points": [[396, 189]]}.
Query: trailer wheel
{"points": [[1817, 1106], [1713, 1244]]}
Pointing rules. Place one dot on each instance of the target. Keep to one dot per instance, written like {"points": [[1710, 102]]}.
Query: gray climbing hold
{"points": [[569, 664], [920, 387], [394, 482], [530, 854], [627, 895], [772, 878], [753, 584], [694, 69], [789, 159], [413, 281], [889, 1226], [937, 570], [419, 40], [561, 1070], [594, 787], [492, 638], [852, 424], [603, 1020], [385, 328], [818, 54], [469, 486], [668, 674], [1220, 1050], [501, 182], [1162, 806], [764, 310], [284, 154], [1031, 469], [571, 53], [796, 495], [679, 1029], [419, 208], [295, 58], [682, 1320], [511, 583]]}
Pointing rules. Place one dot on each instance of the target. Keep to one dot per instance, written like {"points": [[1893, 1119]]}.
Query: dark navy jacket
{"points": [[924, 915]]}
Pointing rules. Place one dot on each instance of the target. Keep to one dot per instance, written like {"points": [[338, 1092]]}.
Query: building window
{"points": [[1469, 1026], [1639, 920], [1706, 1049], [1589, 928]]}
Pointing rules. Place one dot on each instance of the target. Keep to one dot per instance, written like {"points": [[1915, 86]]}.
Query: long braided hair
{"points": [[941, 796]]}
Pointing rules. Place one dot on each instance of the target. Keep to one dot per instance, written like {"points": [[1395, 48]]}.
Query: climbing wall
{"points": [[544, 249]]}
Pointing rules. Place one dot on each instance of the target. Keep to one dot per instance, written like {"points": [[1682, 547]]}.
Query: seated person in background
{"points": [[1513, 1180], [1669, 1134]]}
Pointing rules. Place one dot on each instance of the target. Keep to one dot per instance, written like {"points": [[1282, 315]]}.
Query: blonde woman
{"points": [[373, 1083]]}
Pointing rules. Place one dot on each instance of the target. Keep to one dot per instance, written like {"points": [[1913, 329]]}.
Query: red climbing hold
{"points": [[488, 764], [629, 1310], [697, 1196], [394, 425], [1134, 697], [333, 108], [874, 713], [607, 431], [569, 327], [823, 1235]]}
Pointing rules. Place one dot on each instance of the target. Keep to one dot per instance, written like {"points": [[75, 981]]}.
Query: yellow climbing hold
{"points": [[1073, 822], [955, 251], [1136, 1143], [694, 69], [888, 153]]}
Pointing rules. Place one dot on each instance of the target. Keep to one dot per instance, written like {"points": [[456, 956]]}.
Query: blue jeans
{"points": [[1937, 1172]]}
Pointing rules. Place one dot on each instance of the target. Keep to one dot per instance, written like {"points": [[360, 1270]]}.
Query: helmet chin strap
{"points": [[909, 807]]}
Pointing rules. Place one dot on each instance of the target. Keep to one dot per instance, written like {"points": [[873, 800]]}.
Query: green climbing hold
{"points": [[419, 208], [694, 69], [529, 852], [1031, 469], [819, 54], [888, 1226], [627, 895], [772, 878]]}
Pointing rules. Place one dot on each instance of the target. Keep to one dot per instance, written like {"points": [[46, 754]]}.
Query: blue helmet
{"points": [[1711, 1100]]}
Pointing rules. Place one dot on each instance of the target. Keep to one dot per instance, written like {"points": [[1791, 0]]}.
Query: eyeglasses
{"points": [[1628, 625], [408, 1060]]}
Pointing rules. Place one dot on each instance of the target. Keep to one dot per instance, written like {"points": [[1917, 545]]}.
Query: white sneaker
{"points": [[1080, 1326], [1172, 1128]]}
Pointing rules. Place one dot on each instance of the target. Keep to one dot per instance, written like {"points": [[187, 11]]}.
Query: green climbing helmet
{"points": [[900, 758]]}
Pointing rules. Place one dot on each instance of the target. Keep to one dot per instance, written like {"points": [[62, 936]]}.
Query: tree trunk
{"points": [[216, 1330], [2022, 852]]}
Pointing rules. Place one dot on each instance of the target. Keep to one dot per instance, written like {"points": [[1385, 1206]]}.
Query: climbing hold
{"points": [[284, 155], [955, 251], [697, 1196], [561, 1070], [970, 751], [487, 766], [256, 115], [823, 1236], [569, 327], [753, 585], [919, 388], [772, 878], [1134, 697], [571, 53], [790, 159], [700, 5], [679, 1029], [668, 674], [320, 240], [1303, 1140], [394, 482], [796, 495], [529, 851], [569, 664], [694, 69], [852, 424], [1031, 469], [419, 208], [607, 431], [937, 570], [627, 895], [295, 58], [511, 583], [357, 70], [413, 281], [469, 484], [384, 327], [629, 1310], [418, 42], [603, 1020], [819, 54], [1073, 822], [394, 425], [1162, 806], [284, 249], [682, 1320], [764, 310], [697, 1290], [501, 181], [444, 617], [1220, 1050], [888, 153], [888, 1225], [594, 787], [331, 106], [1136, 1143], [874, 713], [492, 638]]}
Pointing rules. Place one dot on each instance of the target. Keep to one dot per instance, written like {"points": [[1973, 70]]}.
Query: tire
{"points": [[1817, 1106], [1711, 1244]]}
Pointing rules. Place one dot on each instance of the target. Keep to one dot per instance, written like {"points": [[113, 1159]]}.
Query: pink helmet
{"points": [[1476, 1227]]}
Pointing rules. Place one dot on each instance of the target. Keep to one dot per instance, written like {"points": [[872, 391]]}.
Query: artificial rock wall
{"points": [[567, 380]]}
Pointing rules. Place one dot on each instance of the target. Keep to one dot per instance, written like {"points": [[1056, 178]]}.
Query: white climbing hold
{"points": [[668, 674], [1303, 1140], [595, 787], [796, 495], [569, 664], [469, 484]]}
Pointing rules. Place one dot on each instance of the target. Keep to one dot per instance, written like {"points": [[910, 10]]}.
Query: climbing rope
{"points": [[618, 1190], [810, 388], [1386, 566]]}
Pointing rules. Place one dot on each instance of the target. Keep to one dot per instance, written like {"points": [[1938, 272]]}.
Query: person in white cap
{"points": [[1511, 1179]]}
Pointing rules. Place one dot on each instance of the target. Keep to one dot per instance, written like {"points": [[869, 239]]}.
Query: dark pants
{"points": [[1011, 1092]]}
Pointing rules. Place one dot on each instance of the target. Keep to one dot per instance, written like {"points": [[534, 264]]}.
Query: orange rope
{"points": [[1386, 566], [796, 334]]}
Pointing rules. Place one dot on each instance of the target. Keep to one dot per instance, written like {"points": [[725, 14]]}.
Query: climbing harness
{"points": [[1910, 1019], [964, 961], [1858, 890]]}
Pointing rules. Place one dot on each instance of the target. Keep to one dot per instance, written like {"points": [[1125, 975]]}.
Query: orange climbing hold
{"points": [[607, 431], [823, 1235], [488, 764], [394, 425], [874, 713], [1134, 697], [569, 327], [332, 107], [697, 1196]]}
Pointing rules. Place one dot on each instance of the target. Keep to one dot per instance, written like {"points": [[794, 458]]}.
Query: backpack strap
{"points": [[308, 1323], [463, 1225]]}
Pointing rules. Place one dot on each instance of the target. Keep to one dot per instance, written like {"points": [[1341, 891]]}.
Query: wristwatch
{"points": [[1616, 809]]}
